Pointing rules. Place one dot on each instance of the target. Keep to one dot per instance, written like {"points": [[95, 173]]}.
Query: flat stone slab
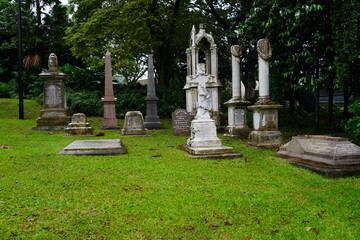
{"points": [[330, 156], [210, 152], [95, 147]]}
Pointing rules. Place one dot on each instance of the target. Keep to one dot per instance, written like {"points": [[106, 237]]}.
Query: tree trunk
{"points": [[330, 104]]}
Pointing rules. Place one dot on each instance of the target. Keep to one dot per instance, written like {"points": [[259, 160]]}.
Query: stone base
{"points": [[203, 134], [237, 132], [324, 169], [95, 147], [265, 139], [210, 152], [110, 123], [52, 119], [134, 132], [79, 131], [153, 122]]}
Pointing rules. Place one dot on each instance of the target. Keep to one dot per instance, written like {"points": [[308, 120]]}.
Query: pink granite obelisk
{"points": [[109, 120]]}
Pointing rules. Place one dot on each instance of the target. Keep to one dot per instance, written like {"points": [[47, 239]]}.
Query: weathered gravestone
{"points": [[79, 126], [181, 122], [134, 124], [54, 115], [95, 147], [330, 156]]}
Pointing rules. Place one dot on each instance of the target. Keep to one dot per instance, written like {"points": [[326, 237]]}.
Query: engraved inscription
{"points": [[181, 122], [239, 117], [53, 96], [348, 148], [321, 147]]}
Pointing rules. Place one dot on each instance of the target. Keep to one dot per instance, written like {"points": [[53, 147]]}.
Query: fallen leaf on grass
{"points": [[228, 223], [226, 236], [213, 225], [202, 179], [26, 226], [50, 133], [2, 202], [152, 149], [159, 223], [306, 222], [100, 134], [218, 217], [317, 231], [319, 215], [247, 238], [5, 146], [32, 219], [309, 228], [156, 155], [323, 210], [189, 228]]}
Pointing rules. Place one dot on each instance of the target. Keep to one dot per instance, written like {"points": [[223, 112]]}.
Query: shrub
{"points": [[4, 90], [87, 102], [352, 126]]}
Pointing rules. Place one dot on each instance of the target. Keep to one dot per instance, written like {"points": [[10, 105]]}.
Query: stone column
{"points": [[265, 112], [54, 115], [152, 120], [237, 127], [109, 120]]}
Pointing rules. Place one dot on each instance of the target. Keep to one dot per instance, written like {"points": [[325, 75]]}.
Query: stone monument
{"points": [[237, 105], [79, 126], [202, 50], [204, 142], [265, 112], [152, 120], [109, 120], [181, 122], [330, 156], [95, 147], [54, 115], [134, 124]]}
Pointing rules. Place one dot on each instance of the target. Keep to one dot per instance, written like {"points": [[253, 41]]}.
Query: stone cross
{"points": [[264, 55]]}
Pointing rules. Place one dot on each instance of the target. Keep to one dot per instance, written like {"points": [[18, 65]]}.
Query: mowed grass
{"points": [[156, 191]]}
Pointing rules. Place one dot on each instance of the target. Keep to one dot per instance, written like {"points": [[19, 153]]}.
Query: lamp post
{"points": [[20, 83]]}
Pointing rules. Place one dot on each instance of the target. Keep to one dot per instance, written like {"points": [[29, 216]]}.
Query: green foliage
{"points": [[87, 102], [170, 100], [130, 97], [352, 126], [4, 90], [81, 79]]}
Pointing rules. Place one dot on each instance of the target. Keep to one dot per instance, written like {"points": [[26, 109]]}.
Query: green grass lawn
{"points": [[158, 192]]}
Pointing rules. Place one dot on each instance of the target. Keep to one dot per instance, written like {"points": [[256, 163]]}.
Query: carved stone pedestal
{"points": [[265, 120], [134, 124], [237, 127]]}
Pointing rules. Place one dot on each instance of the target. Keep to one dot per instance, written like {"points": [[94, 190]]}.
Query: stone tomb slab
{"points": [[330, 156], [95, 147], [221, 152]]}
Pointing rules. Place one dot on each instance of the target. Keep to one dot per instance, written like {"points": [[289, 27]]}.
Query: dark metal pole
{"points": [[20, 83]]}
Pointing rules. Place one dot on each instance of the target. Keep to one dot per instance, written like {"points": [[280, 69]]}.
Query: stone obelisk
{"points": [[265, 112], [237, 127], [54, 115], [109, 120], [152, 120]]}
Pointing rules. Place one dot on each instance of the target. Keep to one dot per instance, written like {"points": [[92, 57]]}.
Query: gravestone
{"points": [[265, 112], [134, 124], [331, 156], [237, 126], [204, 142], [54, 115], [109, 120], [152, 120], [79, 126], [95, 147], [203, 50], [181, 122]]}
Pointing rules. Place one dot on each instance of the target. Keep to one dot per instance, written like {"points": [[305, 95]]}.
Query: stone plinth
{"points": [[237, 126], [134, 124], [330, 156], [95, 147], [54, 115], [109, 120], [265, 120], [181, 122], [79, 126]]}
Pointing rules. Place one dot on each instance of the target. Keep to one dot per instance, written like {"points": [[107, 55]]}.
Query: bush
{"points": [[352, 126], [130, 97], [4, 90], [87, 102]]}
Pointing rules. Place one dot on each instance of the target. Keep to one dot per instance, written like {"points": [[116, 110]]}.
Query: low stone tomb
{"points": [[79, 126], [330, 156], [181, 122], [134, 124], [95, 147]]}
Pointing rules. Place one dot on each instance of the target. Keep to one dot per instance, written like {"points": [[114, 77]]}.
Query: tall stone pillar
{"points": [[109, 120], [237, 127], [152, 120], [265, 112], [54, 115]]}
